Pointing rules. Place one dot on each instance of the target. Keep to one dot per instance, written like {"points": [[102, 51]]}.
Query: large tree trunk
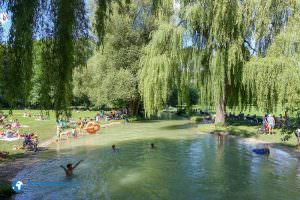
{"points": [[220, 111], [134, 107]]}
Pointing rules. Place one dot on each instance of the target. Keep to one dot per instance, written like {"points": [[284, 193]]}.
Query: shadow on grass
{"points": [[241, 133], [241, 123], [180, 126]]}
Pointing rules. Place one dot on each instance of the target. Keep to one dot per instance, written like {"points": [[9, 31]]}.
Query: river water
{"points": [[185, 165]]}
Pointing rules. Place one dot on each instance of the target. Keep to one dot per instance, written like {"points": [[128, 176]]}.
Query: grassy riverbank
{"points": [[243, 130], [46, 129]]}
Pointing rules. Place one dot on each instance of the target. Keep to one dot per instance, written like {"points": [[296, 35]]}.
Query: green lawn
{"points": [[45, 129], [243, 130]]}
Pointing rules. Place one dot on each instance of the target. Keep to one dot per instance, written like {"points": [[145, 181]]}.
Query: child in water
{"points": [[70, 168]]}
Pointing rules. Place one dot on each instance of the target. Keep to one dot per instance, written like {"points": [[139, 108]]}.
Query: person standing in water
{"points": [[70, 168]]}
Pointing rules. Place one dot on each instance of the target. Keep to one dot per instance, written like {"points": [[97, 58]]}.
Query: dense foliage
{"points": [[62, 29], [273, 81], [234, 53], [211, 44], [111, 76]]}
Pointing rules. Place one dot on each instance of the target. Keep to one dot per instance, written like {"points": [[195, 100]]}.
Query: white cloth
{"points": [[8, 139]]}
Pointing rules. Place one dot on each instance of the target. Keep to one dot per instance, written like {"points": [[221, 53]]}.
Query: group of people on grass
{"points": [[69, 126], [253, 119], [11, 129], [112, 115], [268, 121], [40, 116]]}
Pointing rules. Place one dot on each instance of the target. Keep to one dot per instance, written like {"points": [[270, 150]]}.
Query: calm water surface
{"points": [[185, 165]]}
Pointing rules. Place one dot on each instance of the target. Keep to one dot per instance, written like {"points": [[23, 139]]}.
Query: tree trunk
{"points": [[134, 107], [220, 111]]}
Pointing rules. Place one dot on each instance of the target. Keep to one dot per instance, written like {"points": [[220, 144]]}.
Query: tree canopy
{"points": [[234, 53], [214, 44], [111, 75]]}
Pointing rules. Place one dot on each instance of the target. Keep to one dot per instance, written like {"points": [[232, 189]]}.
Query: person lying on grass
{"points": [[70, 168]]}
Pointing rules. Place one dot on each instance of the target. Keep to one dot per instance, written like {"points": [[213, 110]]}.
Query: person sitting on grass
{"points": [[9, 133], [69, 169], [35, 142], [16, 124], [27, 140]]}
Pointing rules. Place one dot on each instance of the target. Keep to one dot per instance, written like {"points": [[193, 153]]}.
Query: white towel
{"points": [[8, 139]]}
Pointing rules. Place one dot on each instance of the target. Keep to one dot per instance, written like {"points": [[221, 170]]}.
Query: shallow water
{"points": [[185, 165]]}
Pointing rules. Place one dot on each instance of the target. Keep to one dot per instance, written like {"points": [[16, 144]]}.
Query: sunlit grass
{"points": [[45, 129]]}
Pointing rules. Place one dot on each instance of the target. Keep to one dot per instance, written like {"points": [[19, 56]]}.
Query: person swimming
{"points": [[152, 146], [114, 148], [70, 168]]}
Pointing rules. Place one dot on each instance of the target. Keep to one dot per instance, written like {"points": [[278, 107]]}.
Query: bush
{"points": [[196, 119]]}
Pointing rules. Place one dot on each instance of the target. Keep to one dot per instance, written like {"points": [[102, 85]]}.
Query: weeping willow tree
{"points": [[159, 67], [217, 51], [220, 37], [68, 29], [165, 62], [207, 43], [63, 28], [18, 65], [273, 81]]}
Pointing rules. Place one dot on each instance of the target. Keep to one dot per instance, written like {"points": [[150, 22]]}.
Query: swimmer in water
{"points": [[152, 146], [114, 148], [70, 168]]}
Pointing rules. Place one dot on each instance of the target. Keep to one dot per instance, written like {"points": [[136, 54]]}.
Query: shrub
{"points": [[196, 119]]}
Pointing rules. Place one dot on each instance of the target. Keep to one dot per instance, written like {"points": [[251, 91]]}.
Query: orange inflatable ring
{"points": [[92, 128]]}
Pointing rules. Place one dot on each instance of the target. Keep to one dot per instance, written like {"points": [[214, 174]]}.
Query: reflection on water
{"points": [[185, 165]]}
